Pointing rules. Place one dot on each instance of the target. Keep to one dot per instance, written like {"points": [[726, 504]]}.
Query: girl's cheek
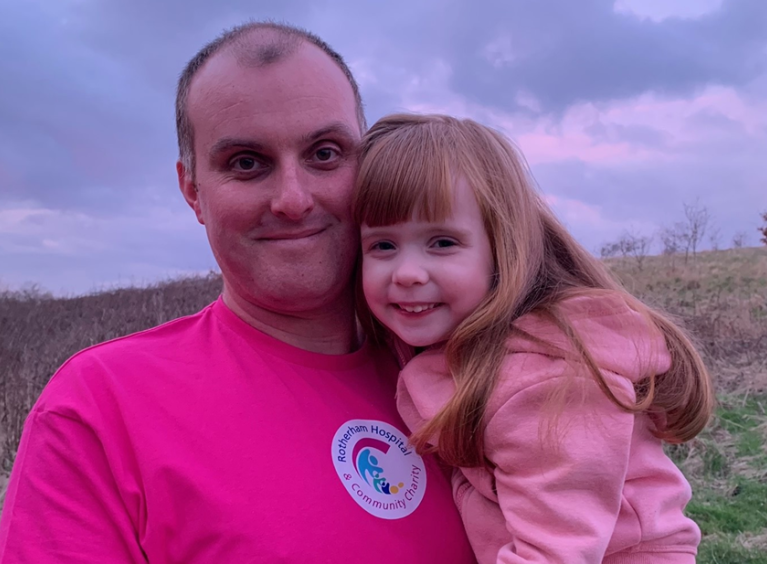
{"points": [[368, 281]]}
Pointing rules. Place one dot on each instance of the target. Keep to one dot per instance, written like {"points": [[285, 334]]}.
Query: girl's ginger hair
{"points": [[408, 164]]}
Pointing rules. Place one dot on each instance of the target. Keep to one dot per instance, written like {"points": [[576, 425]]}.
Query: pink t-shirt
{"points": [[206, 441]]}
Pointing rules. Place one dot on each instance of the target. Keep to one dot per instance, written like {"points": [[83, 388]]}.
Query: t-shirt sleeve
{"points": [[63, 503], [559, 487]]}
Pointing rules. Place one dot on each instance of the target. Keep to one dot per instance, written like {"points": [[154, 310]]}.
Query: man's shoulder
{"points": [[128, 357], [163, 338]]}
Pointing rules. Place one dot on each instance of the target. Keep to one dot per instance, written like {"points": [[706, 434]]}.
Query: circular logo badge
{"points": [[378, 468]]}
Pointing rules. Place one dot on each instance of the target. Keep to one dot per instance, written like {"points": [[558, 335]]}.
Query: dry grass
{"points": [[3, 483], [721, 297], [38, 333]]}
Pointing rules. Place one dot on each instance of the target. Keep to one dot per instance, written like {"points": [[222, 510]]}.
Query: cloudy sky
{"points": [[625, 109]]}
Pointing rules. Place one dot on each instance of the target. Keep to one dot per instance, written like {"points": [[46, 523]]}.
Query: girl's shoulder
{"points": [[622, 342]]}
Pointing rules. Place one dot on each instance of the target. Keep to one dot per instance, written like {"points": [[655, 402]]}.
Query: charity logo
{"points": [[378, 468]]}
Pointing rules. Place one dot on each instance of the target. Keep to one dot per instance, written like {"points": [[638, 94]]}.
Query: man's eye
{"points": [[244, 163], [325, 154]]}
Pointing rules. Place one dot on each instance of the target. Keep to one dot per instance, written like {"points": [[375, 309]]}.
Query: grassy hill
{"points": [[721, 297]]}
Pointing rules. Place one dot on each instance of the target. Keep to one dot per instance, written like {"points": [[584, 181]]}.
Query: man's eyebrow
{"points": [[337, 128], [227, 143]]}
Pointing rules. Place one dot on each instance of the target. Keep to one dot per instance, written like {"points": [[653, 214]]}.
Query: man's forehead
{"points": [[233, 66], [304, 82]]}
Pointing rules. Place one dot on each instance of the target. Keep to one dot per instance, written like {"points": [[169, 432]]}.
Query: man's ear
{"points": [[189, 190]]}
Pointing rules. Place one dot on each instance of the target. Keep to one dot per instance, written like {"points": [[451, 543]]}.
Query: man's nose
{"points": [[409, 271], [293, 199]]}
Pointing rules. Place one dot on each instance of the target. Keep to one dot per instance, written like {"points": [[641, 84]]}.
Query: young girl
{"points": [[528, 367]]}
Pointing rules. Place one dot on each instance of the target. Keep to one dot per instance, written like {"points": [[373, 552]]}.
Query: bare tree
{"points": [[626, 244], [763, 229], [693, 228], [671, 243], [639, 248], [671, 240], [630, 244], [609, 250], [714, 237], [740, 240]]}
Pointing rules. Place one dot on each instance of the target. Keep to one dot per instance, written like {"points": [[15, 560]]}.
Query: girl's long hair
{"points": [[408, 164]]}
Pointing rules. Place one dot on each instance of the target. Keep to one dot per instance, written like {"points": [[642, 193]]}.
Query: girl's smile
{"points": [[420, 308]]}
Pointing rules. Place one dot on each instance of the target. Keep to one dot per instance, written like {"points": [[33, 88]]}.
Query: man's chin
{"points": [[297, 290], [297, 300]]}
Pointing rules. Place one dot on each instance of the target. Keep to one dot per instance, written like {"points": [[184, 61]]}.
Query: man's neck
{"points": [[331, 330]]}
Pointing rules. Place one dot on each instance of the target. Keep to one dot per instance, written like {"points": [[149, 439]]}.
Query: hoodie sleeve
{"points": [[559, 481]]}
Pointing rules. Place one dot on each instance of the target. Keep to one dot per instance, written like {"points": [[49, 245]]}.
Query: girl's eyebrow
{"points": [[450, 230], [445, 228], [429, 230], [376, 231]]}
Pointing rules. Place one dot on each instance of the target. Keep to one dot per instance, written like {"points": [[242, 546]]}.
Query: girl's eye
{"points": [[444, 243], [382, 246]]}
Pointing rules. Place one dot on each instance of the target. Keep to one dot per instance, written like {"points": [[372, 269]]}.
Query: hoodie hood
{"points": [[623, 343], [619, 339]]}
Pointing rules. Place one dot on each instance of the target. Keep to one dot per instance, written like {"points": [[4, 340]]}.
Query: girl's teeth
{"points": [[417, 309]]}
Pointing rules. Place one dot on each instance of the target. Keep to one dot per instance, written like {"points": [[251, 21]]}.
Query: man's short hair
{"points": [[275, 43]]}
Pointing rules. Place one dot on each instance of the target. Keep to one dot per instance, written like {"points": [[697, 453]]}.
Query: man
{"points": [[260, 429]]}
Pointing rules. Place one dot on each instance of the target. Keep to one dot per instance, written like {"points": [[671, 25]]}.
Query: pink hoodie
{"points": [[604, 491]]}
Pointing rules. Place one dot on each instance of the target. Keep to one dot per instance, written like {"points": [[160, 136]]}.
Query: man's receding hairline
{"points": [[238, 50], [236, 53], [264, 46]]}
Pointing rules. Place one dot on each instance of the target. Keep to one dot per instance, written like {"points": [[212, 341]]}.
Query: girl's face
{"points": [[422, 279]]}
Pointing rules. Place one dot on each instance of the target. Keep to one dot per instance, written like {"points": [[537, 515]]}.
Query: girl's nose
{"points": [[409, 273]]}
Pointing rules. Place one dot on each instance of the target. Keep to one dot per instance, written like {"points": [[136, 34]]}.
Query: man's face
{"points": [[275, 165]]}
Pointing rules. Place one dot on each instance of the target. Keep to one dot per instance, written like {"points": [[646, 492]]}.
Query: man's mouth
{"points": [[292, 235]]}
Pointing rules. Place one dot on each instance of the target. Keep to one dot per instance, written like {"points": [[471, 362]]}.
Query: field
{"points": [[721, 297]]}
